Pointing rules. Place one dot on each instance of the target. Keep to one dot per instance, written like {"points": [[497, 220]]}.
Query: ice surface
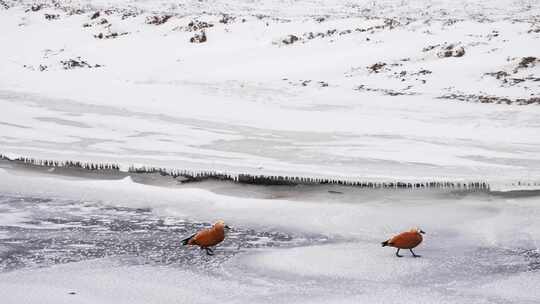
{"points": [[106, 282], [118, 242]]}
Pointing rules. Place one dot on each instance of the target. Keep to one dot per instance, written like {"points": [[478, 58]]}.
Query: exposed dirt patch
{"points": [[491, 99], [519, 74], [526, 62], [111, 35], [498, 74], [158, 19], [289, 39], [388, 92], [377, 67], [77, 63]]}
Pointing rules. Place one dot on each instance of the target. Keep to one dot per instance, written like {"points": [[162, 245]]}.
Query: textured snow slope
{"points": [[245, 100]]}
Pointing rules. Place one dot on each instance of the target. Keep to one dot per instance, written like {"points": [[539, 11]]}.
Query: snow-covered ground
{"points": [[70, 240], [365, 91]]}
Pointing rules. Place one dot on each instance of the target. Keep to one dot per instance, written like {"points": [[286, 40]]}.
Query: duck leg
{"points": [[209, 251], [414, 254], [397, 254]]}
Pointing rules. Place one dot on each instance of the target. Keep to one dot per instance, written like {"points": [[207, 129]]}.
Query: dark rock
{"points": [[95, 15], [52, 16], [195, 25], [498, 74], [76, 11], [226, 19], [451, 50], [516, 80], [423, 72], [290, 39], [375, 68], [36, 7], [527, 62], [198, 38], [77, 63], [391, 23], [458, 52], [126, 15], [157, 20], [110, 35], [430, 47], [74, 63]]}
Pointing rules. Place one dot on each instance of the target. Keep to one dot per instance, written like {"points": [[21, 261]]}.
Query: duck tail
{"points": [[385, 243], [186, 240]]}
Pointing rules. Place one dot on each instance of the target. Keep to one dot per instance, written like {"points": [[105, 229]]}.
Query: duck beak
{"points": [[227, 227], [422, 232]]}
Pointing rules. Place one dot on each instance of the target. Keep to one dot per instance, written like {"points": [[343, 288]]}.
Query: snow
{"points": [[106, 282], [366, 92], [504, 288], [237, 103]]}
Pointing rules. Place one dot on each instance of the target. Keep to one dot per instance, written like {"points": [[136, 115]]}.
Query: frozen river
{"points": [[70, 240]]}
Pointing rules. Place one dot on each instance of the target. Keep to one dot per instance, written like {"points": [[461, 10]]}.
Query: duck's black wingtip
{"points": [[186, 240]]}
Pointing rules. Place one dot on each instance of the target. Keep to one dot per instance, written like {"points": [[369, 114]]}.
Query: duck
{"points": [[207, 238], [406, 240]]}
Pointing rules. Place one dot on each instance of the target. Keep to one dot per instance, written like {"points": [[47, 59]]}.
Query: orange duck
{"points": [[406, 240], [208, 237]]}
